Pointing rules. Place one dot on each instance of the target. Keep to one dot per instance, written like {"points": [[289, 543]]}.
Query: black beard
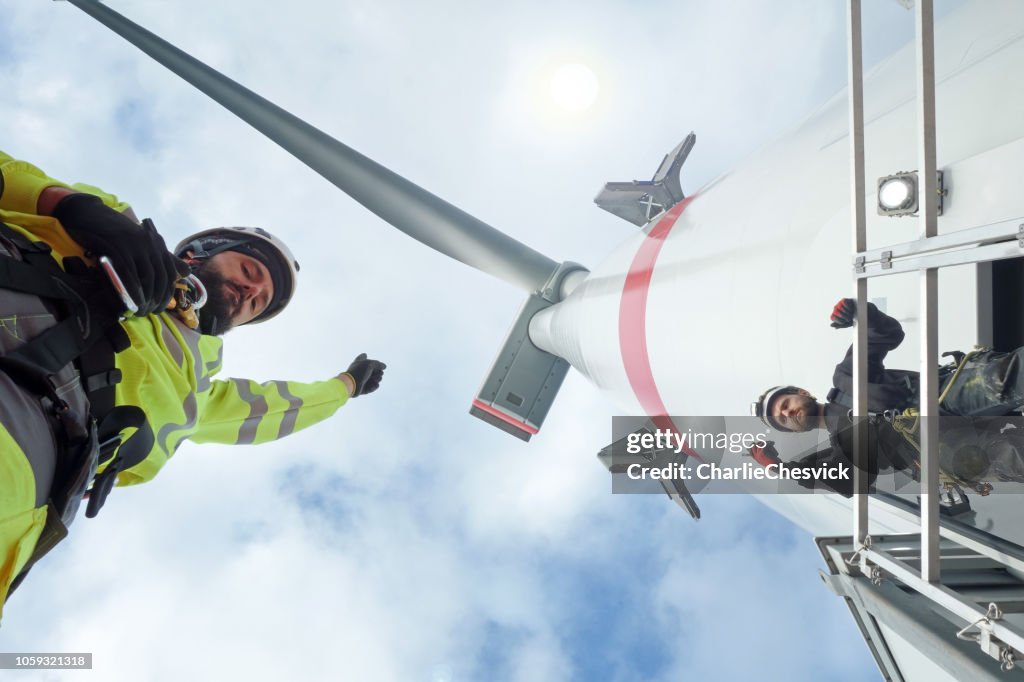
{"points": [[215, 316], [813, 411]]}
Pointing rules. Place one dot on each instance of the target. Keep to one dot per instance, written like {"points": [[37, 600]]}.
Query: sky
{"points": [[404, 539]]}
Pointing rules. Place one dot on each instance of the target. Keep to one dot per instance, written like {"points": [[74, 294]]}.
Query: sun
{"points": [[573, 87]]}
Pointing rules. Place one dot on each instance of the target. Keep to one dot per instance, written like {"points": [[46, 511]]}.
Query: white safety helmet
{"points": [[762, 406], [255, 242]]}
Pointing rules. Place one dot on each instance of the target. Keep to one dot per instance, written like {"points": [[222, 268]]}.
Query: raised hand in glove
{"points": [[765, 455], [364, 374], [138, 253], [844, 313]]}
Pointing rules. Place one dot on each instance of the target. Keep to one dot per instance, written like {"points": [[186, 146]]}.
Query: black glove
{"points": [[365, 374], [138, 253], [844, 313]]}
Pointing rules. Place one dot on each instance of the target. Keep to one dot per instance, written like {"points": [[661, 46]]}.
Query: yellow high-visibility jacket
{"points": [[168, 369]]}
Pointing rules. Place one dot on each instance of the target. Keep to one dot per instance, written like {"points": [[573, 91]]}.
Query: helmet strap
{"points": [[200, 253]]}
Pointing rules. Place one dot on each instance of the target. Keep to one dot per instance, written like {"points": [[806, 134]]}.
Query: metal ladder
{"points": [[926, 564]]}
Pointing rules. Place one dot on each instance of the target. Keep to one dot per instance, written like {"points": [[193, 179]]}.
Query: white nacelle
{"points": [[698, 315]]}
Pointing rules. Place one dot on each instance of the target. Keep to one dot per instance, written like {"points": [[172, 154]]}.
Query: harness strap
{"points": [[88, 336], [95, 383], [131, 452], [98, 374], [52, 349], [838, 397], [29, 279]]}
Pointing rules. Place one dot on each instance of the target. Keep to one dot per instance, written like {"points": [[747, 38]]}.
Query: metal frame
{"points": [[997, 639], [943, 596], [981, 254], [995, 241], [858, 210], [928, 202], [917, 615]]}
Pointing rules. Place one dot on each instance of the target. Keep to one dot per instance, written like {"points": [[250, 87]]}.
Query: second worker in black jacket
{"points": [[983, 384]]}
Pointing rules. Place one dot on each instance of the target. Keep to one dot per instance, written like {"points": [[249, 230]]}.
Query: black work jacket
{"points": [[888, 389]]}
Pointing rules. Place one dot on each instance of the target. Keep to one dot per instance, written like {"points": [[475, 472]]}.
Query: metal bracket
{"points": [[886, 260], [855, 561], [859, 563], [990, 645], [641, 201], [1020, 236], [953, 501], [859, 264], [874, 573], [940, 189]]}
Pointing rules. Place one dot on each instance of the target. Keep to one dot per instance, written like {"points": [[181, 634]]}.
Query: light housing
{"points": [[898, 194]]}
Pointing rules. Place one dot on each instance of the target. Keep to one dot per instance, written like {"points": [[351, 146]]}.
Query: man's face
{"points": [[239, 287], [795, 411]]}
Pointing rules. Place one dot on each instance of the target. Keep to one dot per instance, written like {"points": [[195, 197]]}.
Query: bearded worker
{"points": [[91, 397]]}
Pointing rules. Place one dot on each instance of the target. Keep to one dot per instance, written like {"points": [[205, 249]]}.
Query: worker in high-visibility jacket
{"points": [[70, 359]]}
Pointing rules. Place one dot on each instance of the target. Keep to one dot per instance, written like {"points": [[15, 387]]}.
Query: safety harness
{"points": [[898, 393], [88, 335], [907, 422]]}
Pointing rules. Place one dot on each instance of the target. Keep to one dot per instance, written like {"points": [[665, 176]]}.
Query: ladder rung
{"points": [[983, 234], [911, 547], [1010, 599], [955, 563], [963, 580], [990, 243]]}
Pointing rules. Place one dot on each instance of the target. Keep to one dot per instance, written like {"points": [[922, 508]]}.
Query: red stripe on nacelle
{"points": [[633, 320]]}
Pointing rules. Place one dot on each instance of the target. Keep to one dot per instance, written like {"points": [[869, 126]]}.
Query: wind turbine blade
{"points": [[408, 207]]}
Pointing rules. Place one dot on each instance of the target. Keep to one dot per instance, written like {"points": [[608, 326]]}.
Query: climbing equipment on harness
{"points": [[907, 423], [139, 252], [189, 296]]}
